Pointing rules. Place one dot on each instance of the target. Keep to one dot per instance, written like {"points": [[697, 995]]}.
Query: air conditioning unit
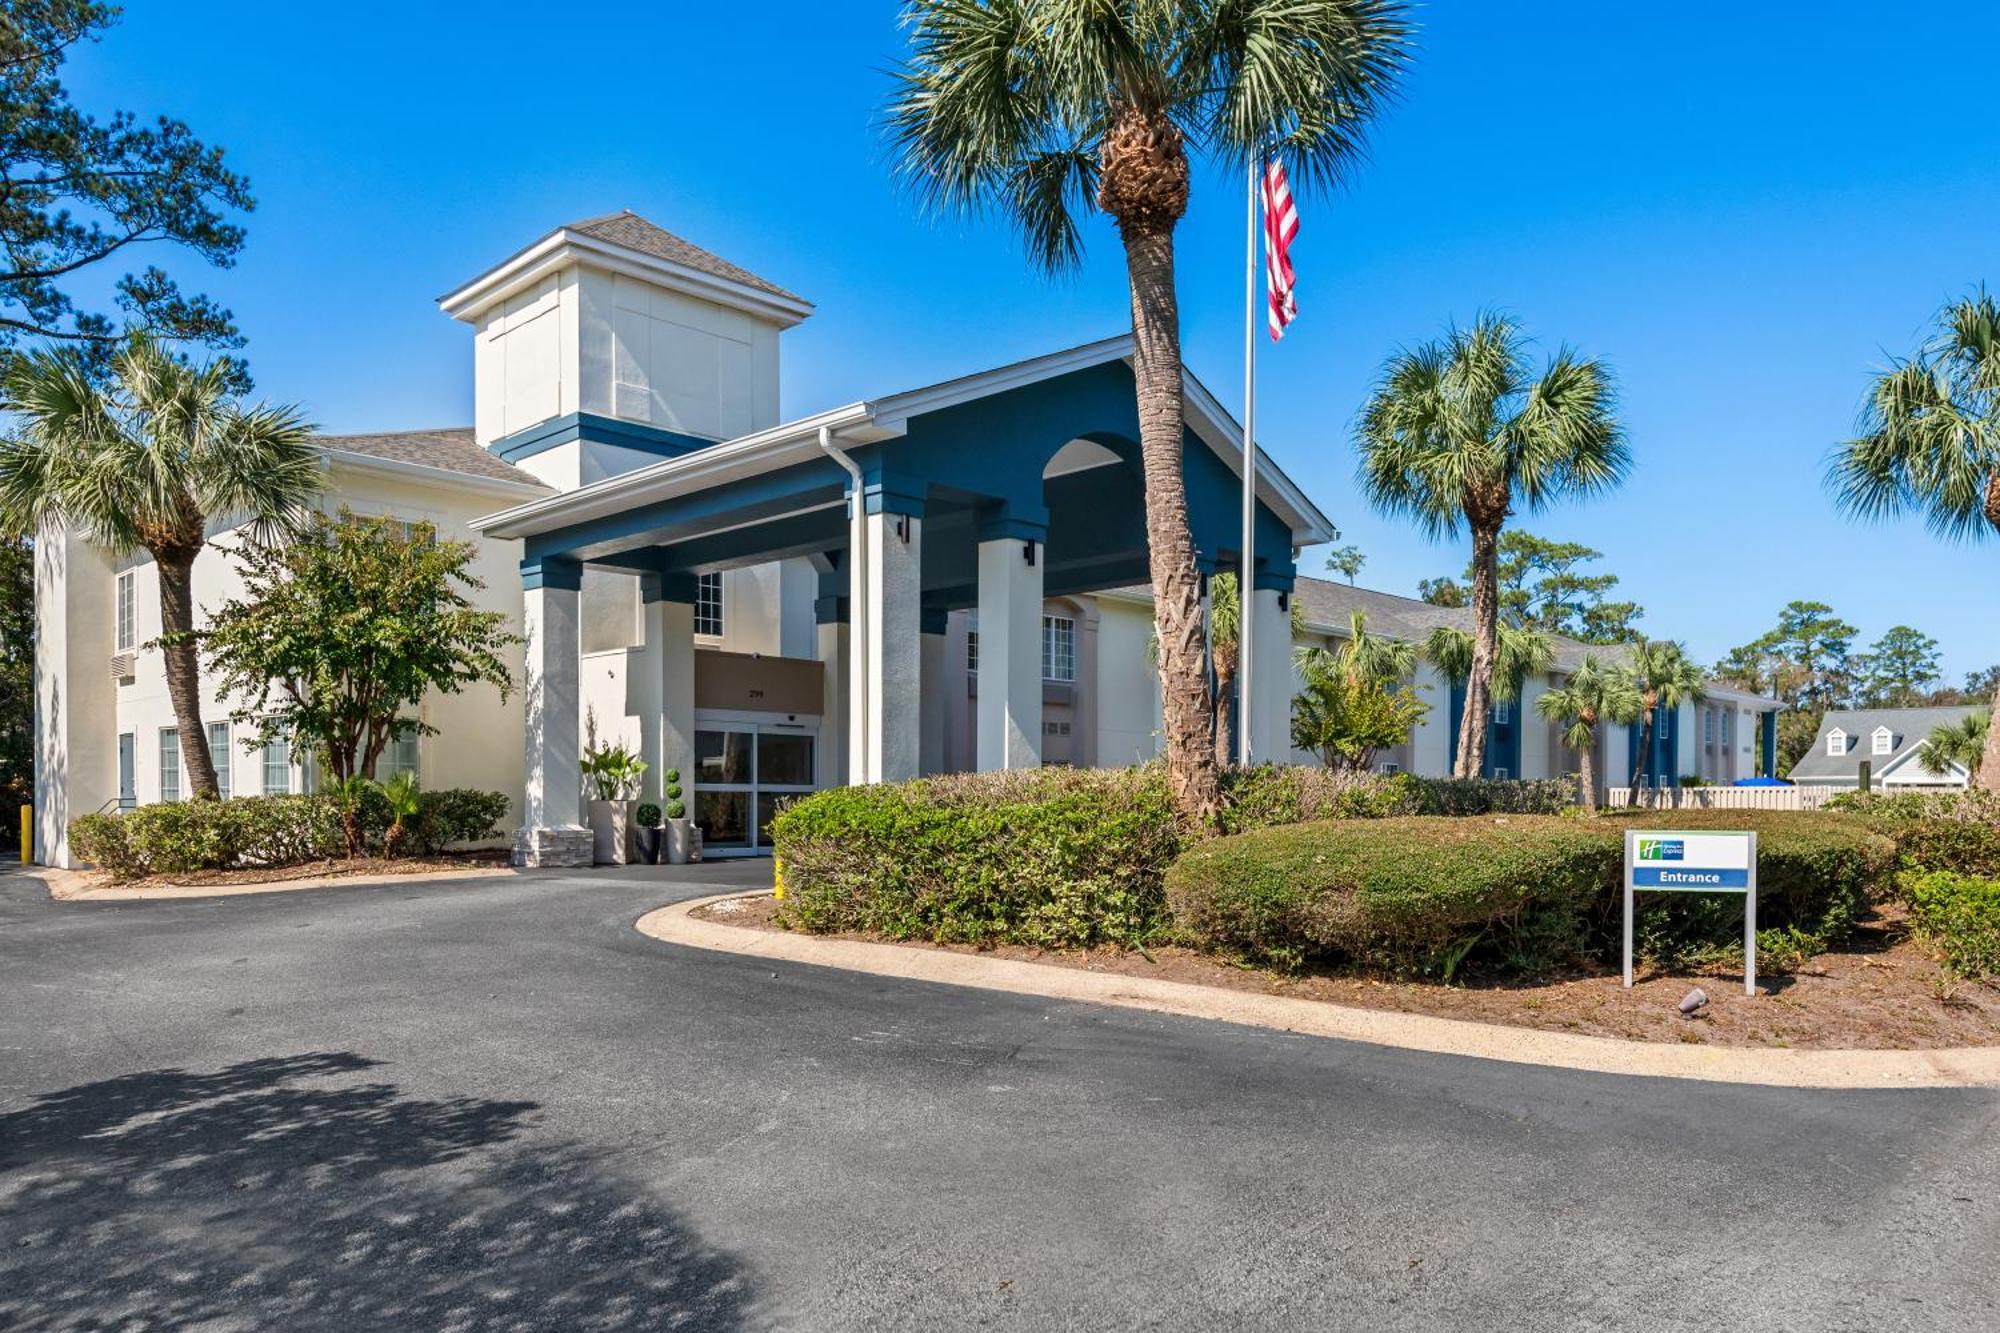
{"points": [[122, 670]]}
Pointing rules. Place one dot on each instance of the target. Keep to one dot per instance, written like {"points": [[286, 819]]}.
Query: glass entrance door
{"points": [[744, 773]]}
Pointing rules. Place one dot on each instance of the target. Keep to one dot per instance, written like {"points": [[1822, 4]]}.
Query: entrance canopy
{"points": [[1044, 450]]}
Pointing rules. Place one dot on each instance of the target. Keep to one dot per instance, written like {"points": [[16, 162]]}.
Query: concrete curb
{"points": [[1965, 1067], [80, 886]]}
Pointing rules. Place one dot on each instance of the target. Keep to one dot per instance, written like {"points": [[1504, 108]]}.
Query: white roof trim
{"points": [[563, 247], [884, 418]]}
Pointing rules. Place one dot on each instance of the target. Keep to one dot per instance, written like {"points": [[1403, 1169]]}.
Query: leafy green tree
{"points": [[1041, 109], [80, 192], [1806, 660], [1520, 653], [17, 681], [1962, 742], [1902, 665], [1374, 659], [1983, 683], [341, 633], [1542, 585], [1663, 676], [1798, 731], [1443, 592], [1929, 443], [146, 463], [1462, 433], [1346, 560], [1593, 694], [1344, 716], [1225, 647]]}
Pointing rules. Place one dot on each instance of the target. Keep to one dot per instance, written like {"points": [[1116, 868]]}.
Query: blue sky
{"points": [[1743, 208]]}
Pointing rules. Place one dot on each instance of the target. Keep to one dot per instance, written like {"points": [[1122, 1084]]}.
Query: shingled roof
{"points": [[628, 229], [454, 449], [1908, 728]]}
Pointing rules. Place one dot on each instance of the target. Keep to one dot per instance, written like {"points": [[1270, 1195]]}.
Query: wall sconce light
{"points": [[1028, 552]]}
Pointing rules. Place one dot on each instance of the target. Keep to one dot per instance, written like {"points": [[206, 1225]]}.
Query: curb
{"points": [[1965, 1067], [77, 886]]}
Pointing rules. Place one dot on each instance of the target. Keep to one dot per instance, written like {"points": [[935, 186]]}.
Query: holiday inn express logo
{"points": [[1662, 849]]}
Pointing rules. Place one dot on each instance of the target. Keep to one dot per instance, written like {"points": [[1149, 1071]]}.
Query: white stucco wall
{"points": [[1127, 684]]}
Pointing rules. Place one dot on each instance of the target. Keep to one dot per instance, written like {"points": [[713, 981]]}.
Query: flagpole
{"points": [[1246, 596]]}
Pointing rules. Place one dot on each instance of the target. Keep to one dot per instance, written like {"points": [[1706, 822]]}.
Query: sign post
{"points": [[1672, 862]]}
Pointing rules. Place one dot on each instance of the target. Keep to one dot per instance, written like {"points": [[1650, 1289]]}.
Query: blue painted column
{"points": [[1767, 727]]}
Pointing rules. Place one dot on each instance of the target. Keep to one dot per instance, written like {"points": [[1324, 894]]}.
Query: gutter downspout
{"points": [[857, 614]]}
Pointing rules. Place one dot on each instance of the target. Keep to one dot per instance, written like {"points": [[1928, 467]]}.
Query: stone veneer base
{"points": [[564, 847]]}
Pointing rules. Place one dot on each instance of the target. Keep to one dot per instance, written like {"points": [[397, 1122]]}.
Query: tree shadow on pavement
{"points": [[301, 1193]]}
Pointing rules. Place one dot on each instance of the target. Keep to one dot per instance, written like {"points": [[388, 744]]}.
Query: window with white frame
{"points": [[972, 642], [277, 766], [170, 764], [127, 612], [1836, 743], [398, 756], [1058, 648], [1500, 775], [1707, 728], [1885, 741], [1503, 712], [218, 754], [1727, 715], [708, 605]]}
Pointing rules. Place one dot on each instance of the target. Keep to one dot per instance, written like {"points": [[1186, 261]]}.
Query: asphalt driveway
{"points": [[493, 1105]]}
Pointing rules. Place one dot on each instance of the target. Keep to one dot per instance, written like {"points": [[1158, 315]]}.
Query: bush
{"points": [[1056, 858], [1271, 794], [1408, 894], [1467, 797], [1959, 917], [183, 836], [1957, 831]]}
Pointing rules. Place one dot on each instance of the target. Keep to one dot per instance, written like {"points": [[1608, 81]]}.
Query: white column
{"points": [[931, 700], [552, 831], [670, 635], [834, 732], [1273, 681], [893, 675], [76, 704], [1010, 654]]}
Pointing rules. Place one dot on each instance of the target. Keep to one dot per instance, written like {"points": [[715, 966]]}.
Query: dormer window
{"points": [[1885, 741], [1836, 743]]}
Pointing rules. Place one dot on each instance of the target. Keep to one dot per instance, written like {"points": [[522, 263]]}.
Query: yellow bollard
{"points": [[27, 828]]}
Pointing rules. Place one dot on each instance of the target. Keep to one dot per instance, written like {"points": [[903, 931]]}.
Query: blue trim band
{"points": [[594, 429], [552, 572], [670, 587], [932, 620]]}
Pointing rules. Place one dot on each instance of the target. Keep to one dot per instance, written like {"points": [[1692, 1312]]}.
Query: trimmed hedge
{"points": [[1957, 831], [1055, 858], [178, 837], [1420, 895], [1406, 893], [1959, 917]]}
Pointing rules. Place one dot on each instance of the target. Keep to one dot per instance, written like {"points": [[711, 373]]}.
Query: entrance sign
{"points": [[1667, 861]]}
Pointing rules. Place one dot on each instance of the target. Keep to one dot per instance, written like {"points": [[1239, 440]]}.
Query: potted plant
{"points": [[611, 776], [678, 823], [649, 834]]}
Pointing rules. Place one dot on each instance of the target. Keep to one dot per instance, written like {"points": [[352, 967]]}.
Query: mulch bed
{"points": [[340, 869], [1881, 992]]}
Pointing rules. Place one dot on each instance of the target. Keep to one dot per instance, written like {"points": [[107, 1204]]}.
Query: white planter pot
{"points": [[680, 841], [611, 832]]}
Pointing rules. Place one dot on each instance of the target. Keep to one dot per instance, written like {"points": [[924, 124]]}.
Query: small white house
{"points": [[1887, 741], [948, 578]]}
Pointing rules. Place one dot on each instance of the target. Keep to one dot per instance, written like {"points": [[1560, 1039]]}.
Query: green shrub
{"points": [[1271, 794], [182, 836], [1056, 858], [1467, 797], [647, 815], [1955, 830], [1959, 917], [1408, 894]]}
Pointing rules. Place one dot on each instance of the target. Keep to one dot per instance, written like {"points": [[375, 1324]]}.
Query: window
{"points": [[128, 622], [972, 642], [1391, 769], [1885, 741], [708, 605], [1727, 717], [1707, 728], [1058, 648], [1836, 742], [170, 764], [218, 754], [398, 756], [277, 767], [1500, 775], [1503, 712]]}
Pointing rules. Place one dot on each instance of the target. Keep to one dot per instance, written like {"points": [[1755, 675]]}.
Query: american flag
{"points": [[1281, 225]]}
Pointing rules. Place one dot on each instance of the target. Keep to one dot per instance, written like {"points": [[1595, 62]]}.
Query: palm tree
{"points": [[1039, 109], [1459, 434], [1662, 675], [1930, 444], [1594, 694], [1962, 742], [1519, 652], [1225, 647], [1373, 659], [145, 464]]}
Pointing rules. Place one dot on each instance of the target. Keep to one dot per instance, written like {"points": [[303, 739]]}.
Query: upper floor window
{"points": [[972, 641], [1708, 728], [708, 605], [1836, 742], [1503, 712], [1885, 741], [1727, 714], [1058, 648], [127, 612]]}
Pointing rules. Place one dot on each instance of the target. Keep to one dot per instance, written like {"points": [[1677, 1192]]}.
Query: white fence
{"points": [[1722, 798]]}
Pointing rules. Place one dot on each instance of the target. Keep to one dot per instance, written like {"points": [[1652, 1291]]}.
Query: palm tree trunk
{"points": [[1225, 742], [1586, 762], [1156, 365], [183, 667], [1988, 776], [1645, 755], [1485, 649]]}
